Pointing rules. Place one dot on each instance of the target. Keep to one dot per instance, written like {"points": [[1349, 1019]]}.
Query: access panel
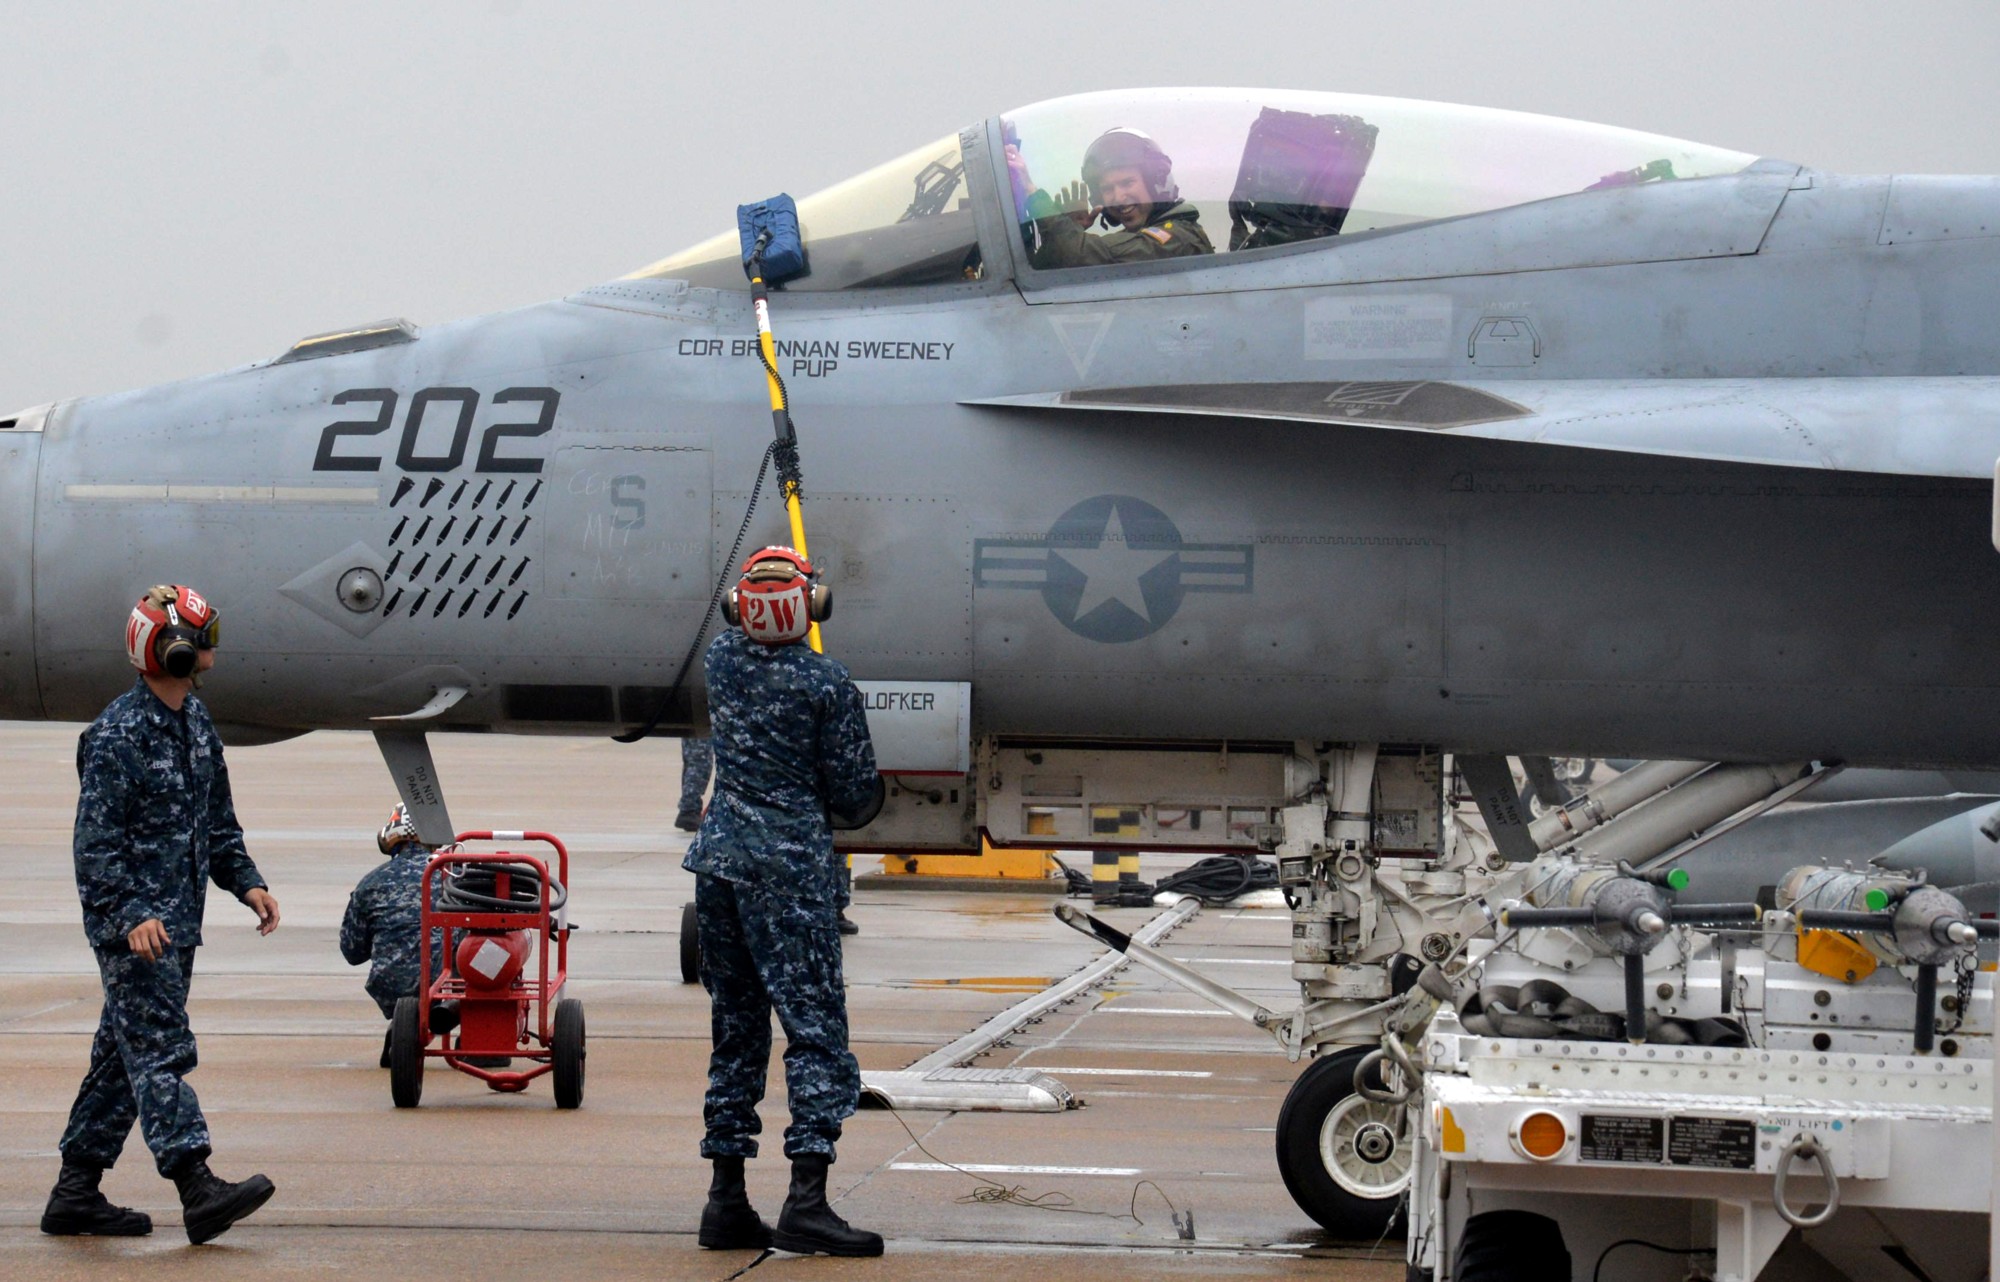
{"points": [[630, 521]]}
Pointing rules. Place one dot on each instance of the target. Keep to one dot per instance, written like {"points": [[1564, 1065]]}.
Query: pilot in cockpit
{"points": [[1128, 182]]}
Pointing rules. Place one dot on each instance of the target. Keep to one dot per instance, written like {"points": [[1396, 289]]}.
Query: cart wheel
{"points": [[690, 946], [1345, 1159], [406, 1054], [566, 1052]]}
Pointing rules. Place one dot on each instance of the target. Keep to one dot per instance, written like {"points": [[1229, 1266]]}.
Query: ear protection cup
{"points": [[177, 651], [732, 614], [819, 603]]}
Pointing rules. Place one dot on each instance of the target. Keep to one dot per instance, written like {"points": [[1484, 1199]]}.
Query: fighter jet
{"points": [[1152, 441]]}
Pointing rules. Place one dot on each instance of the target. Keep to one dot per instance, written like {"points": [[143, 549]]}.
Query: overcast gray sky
{"points": [[187, 187]]}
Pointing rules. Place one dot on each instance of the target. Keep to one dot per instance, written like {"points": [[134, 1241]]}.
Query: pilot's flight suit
{"points": [[791, 741], [1172, 232], [384, 915], [154, 823]]}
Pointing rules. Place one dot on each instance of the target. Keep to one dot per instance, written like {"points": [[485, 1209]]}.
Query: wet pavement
{"points": [[1180, 1100]]}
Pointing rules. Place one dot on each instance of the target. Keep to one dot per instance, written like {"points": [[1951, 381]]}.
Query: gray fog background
{"points": [[188, 187]]}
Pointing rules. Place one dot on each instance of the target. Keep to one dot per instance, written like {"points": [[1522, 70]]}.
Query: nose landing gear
{"points": [[1346, 1159]]}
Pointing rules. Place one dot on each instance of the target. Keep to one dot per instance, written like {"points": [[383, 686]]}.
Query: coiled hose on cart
{"points": [[473, 888]]}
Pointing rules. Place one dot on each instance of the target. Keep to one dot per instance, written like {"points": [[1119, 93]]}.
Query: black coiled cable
{"points": [[775, 449], [1220, 878], [472, 888]]}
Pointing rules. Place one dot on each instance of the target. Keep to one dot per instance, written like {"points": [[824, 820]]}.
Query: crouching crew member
{"points": [[792, 758], [384, 916], [154, 823]]}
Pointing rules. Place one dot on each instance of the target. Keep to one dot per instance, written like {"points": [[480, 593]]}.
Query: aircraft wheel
{"points": [[406, 1054], [1346, 1160], [690, 947], [566, 1053], [1510, 1246]]}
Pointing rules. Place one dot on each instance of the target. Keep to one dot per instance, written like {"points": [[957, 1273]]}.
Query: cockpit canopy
{"points": [[1259, 169]]}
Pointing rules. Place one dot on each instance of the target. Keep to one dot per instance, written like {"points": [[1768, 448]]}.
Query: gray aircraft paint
{"points": [[1744, 517]]}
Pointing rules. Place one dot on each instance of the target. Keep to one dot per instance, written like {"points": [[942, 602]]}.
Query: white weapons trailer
{"points": [[1553, 1060]]}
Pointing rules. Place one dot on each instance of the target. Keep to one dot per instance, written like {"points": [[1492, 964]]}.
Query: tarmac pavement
{"points": [[1180, 1100]]}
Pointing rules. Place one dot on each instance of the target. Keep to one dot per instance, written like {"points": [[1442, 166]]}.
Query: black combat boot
{"points": [[808, 1225], [729, 1222], [76, 1208], [210, 1204], [388, 1036], [847, 927]]}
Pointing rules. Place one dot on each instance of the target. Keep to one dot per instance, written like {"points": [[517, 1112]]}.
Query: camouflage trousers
{"points": [[762, 952], [139, 1062], [697, 763]]}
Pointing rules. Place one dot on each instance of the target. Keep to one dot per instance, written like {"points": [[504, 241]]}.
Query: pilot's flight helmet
{"points": [[398, 832], [1124, 148], [167, 629], [779, 597]]}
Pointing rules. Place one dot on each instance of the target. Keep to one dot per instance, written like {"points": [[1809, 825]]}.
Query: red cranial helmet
{"points": [[169, 626], [779, 597]]}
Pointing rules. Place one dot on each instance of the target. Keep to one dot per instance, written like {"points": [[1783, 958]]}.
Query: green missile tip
{"points": [[1876, 899], [1677, 879]]}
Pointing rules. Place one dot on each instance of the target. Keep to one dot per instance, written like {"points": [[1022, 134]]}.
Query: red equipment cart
{"points": [[496, 910]]}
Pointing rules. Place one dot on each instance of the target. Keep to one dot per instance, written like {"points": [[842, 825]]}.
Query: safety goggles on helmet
{"points": [[778, 598], [168, 628]]}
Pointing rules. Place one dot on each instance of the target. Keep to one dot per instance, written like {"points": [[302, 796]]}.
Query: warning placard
{"points": [[1610, 1138], [1726, 1143]]}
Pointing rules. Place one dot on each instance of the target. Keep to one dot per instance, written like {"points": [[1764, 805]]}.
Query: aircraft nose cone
{"points": [[20, 455]]}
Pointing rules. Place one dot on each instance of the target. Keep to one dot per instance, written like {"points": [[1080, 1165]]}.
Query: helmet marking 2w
{"points": [[778, 597]]}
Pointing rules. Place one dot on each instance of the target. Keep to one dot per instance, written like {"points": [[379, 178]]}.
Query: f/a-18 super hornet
{"points": [[1192, 469]]}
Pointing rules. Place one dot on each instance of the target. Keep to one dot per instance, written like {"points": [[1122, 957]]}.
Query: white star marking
{"points": [[1112, 570]]}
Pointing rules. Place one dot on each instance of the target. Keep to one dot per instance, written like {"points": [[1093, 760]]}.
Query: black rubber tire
{"points": [[406, 1054], [690, 946], [1324, 1084], [567, 1053], [1510, 1246]]}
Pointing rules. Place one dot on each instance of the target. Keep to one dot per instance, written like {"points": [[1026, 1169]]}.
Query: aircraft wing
{"points": [[1916, 426]]}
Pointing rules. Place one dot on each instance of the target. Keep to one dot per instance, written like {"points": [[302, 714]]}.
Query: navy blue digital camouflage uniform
{"points": [[384, 916], [697, 763], [154, 823], [791, 740]]}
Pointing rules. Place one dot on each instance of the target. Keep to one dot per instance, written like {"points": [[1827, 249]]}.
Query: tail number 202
{"points": [[459, 406]]}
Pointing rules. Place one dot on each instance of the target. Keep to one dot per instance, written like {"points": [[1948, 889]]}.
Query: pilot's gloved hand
{"points": [[1074, 200]]}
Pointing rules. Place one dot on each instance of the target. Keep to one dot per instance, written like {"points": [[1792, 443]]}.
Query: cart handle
{"points": [[1374, 1061], [547, 838], [1805, 1145]]}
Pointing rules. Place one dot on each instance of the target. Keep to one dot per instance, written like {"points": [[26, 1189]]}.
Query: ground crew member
{"points": [[384, 916], [697, 762], [1128, 182], [154, 823], [792, 757]]}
